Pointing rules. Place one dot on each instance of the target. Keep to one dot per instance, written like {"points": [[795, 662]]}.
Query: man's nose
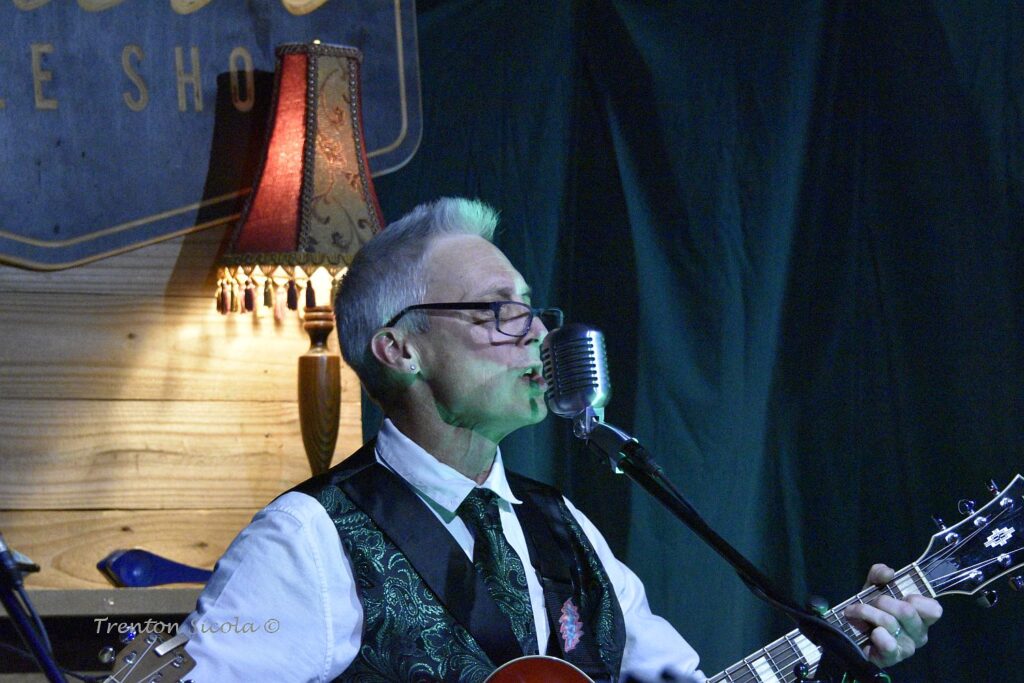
{"points": [[538, 330]]}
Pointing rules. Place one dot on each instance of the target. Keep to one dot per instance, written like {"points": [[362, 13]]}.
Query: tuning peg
{"points": [[988, 598], [107, 655], [1017, 583], [966, 507], [993, 488], [952, 536]]}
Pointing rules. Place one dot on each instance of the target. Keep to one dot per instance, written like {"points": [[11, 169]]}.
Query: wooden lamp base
{"points": [[319, 390]]}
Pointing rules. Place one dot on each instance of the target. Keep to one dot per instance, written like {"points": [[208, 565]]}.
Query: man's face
{"points": [[479, 378]]}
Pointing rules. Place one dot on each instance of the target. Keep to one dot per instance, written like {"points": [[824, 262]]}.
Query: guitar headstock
{"points": [[152, 657], [987, 545]]}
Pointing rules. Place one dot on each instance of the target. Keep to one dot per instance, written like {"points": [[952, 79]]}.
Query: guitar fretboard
{"points": [[778, 662]]}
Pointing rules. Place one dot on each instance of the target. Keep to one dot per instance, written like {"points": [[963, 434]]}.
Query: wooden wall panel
{"points": [[132, 414], [106, 346], [69, 544], [153, 454]]}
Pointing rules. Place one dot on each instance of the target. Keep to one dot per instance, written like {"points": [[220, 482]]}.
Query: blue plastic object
{"points": [[138, 568]]}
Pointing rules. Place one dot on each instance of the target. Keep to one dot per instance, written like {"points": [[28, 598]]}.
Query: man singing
{"points": [[419, 557]]}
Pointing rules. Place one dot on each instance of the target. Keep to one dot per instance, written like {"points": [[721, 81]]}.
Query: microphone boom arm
{"points": [[626, 455]]}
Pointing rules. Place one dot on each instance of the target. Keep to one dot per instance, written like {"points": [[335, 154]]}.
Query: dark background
{"points": [[799, 226]]}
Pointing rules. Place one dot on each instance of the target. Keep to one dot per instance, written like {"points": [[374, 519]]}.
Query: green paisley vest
{"points": [[427, 614]]}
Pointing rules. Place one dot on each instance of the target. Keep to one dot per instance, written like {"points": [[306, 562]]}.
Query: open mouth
{"points": [[534, 376]]}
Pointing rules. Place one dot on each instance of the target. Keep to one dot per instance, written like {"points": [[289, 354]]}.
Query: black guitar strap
{"points": [[554, 557]]}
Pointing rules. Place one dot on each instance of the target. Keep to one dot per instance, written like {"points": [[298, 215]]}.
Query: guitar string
{"points": [[965, 573], [744, 671], [950, 549], [163, 666], [865, 596], [134, 663], [944, 554]]}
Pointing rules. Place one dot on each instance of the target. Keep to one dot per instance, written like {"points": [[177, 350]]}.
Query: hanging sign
{"points": [[126, 122]]}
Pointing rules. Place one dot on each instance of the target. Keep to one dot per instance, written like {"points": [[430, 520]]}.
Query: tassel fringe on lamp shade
{"points": [[312, 207]]}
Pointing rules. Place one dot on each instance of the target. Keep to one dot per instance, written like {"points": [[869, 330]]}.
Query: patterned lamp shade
{"points": [[313, 204]]}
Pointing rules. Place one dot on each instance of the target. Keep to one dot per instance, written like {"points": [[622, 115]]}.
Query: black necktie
{"points": [[500, 566]]}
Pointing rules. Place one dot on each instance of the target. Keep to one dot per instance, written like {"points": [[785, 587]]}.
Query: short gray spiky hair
{"points": [[388, 274]]}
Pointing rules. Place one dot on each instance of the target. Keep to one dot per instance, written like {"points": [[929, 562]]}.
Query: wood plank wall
{"points": [[132, 414]]}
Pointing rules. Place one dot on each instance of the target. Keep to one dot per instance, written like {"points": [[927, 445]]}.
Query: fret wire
{"points": [[799, 653], [747, 670], [864, 598], [915, 578], [894, 585], [734, 669], [771, 661], [779, 660], [852, 631], [835, 618], [734, 676], [750, 669], [844, 624], [740, 676], [786, 655], [783, 654], [792, 646]]}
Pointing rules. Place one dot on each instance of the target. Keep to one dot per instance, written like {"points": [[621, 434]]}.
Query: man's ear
{"points": [[393, 350]]}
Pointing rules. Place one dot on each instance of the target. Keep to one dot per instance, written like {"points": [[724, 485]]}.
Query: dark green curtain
{"points": [[799, 226]]}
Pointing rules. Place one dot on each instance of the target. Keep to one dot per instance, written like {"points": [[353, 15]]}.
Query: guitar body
{"points": [[538, 669]]}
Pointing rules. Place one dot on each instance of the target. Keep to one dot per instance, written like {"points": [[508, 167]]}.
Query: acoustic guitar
{"points": [[960, 560]]}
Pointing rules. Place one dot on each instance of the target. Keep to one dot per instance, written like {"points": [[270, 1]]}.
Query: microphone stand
{"points": [[17, 604], [627, 455]]}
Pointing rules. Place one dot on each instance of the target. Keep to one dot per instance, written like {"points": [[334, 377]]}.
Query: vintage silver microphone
{"points": [[576, 371], [579, 387]]}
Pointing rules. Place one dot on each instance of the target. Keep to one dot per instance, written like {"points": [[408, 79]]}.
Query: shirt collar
{"points": [[436, 482]]}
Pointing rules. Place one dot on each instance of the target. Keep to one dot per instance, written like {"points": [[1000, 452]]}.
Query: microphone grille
{"points": [[576, 370]]}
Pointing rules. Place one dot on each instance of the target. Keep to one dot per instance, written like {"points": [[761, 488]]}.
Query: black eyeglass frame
{"points": [[493, 306]]}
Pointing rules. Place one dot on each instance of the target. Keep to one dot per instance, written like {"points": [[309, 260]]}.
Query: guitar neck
{"points": [[777, 662]]}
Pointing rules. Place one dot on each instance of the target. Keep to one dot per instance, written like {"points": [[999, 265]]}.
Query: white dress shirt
{"points": [[282, 604]]}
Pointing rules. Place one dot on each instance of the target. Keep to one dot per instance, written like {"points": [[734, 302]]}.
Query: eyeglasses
{"points": [[512, 318]]}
